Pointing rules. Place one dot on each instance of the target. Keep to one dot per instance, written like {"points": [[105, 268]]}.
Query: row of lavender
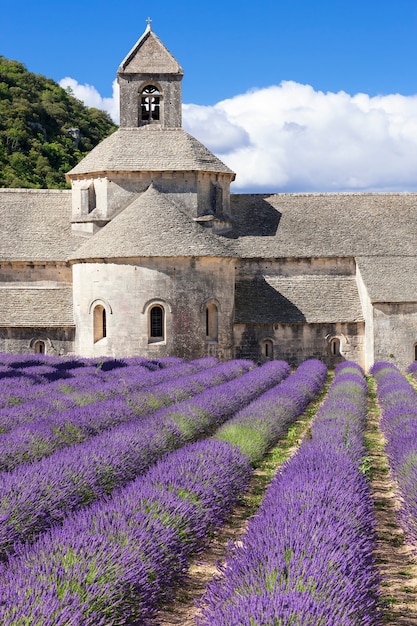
{"points": [[37, 429], [307, 555], [398, 402], [85, 384], [115, 561], [36, 495], [24, 375]]}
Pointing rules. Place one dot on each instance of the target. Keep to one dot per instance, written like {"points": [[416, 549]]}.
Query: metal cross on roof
{"points": [[149, 22]]}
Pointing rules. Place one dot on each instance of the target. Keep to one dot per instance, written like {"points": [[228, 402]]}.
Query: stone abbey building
{"points": [[149, 253]]}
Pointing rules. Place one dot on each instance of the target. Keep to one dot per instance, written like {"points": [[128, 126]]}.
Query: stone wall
{"points": [[295, 343], [30, 273], [58, 341], [127, 291], [131, 86], [113, 193], [369, 321], [395, 330]]}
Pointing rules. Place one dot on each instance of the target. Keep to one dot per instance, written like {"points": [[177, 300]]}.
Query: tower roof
{"points": [[149, 56], [153, 225], [149, 148]]}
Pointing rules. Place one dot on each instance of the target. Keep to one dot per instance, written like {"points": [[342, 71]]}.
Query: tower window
{"points": [[156, 323], [99, 322], [212, 322], [150, 104]]}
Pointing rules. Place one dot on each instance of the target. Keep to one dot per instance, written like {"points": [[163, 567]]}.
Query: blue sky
{"points": [[271, 87]]}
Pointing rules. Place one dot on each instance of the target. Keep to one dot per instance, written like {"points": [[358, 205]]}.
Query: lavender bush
{"points": [[259, 425], [57, 430], [36, 495], [116, 561], [306, 558], [111, 563], [87, 385], [398, 402]]}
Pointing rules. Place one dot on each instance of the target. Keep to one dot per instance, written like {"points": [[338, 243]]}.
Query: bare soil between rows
{"points": [[395, 558]]}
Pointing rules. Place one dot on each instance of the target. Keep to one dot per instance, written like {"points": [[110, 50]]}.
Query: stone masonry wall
{"points": [[127, 290], [395, 333], [58, 341], [295, 343]]}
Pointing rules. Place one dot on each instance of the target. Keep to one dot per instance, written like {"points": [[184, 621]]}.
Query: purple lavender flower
{"points": [[259, 425], [398, 402], [56, 430], [36, 495], [114, 562], [307, 555]]}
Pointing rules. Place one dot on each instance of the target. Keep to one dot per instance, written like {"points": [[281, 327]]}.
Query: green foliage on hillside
{"points": [[44, 130]]}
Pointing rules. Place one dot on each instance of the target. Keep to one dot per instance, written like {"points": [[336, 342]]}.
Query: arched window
{"points": [[268, 349], [150, 104], [156, 323], [99, 322], [39, 347], [335, 346], [212, 322]]}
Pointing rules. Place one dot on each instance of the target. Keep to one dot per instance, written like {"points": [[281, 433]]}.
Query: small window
{"points": [[100, 323], [150, 104], [156, 323], [87, 199], [39, 347], [217, 198], [335, 346], [415, 352], [268, 349], [212, 322]]}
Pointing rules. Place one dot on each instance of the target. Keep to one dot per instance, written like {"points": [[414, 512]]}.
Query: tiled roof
{"points": [[36, 225], [325, 225], [149, 148], [149, 56], [35, 305], [152, 225], [391, 278], [313, 299]]}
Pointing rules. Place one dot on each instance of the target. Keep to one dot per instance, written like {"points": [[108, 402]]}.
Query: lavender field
{"points": [[114, 474]]}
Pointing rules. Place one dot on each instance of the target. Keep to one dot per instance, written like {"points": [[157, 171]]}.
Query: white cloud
{"points": [[290, 137], [299, 139], [91, 97], [213, 127]]}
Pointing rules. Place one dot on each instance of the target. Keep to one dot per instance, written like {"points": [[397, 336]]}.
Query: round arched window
{"points": [[99, 322], [156, 323], [39, 347], [212, 322], [150, 104], [335, 346]]}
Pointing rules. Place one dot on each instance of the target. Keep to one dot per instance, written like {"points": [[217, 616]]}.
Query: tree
{"points": [[44, 130]]}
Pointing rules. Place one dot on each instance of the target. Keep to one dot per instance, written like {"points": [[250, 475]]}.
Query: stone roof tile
{"points": [[325, 225], [153, 225], [149, 148], [149, 56], [389, 279], [36, 306], [312, 299], [36, 225]]}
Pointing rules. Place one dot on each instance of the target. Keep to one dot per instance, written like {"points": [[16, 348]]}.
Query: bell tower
{"points": [[150, 85]]}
